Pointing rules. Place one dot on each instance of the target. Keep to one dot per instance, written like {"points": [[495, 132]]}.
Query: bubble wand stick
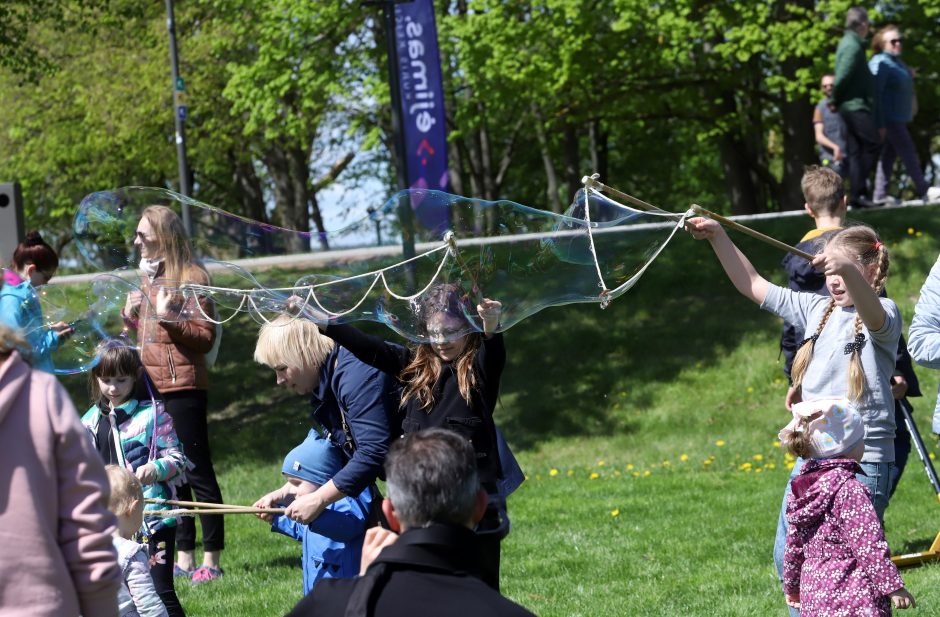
{"points": [[754, 234]]}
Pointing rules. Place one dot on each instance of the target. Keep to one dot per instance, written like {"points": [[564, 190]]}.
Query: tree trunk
{"points": [[551, 179], [290, 174], [597, 139], [572, 160], [250, 193], [799, 140]]}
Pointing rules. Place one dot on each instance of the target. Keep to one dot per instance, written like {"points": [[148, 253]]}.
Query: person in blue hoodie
{"points": [[34, 264], [894, 105], [332, 542]]}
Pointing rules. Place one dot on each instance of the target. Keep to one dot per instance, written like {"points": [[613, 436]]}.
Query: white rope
{"points": [[249, 294], [633, 279], [587, 219]]}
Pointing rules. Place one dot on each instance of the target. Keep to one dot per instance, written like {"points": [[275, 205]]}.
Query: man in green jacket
{"points": [[853, 94]]}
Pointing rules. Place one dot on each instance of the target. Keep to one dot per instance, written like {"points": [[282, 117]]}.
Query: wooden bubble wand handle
{"points": [[198, 511], [754, 234]]}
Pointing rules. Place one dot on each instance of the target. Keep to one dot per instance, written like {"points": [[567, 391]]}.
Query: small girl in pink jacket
{"points": [[837, 561]]}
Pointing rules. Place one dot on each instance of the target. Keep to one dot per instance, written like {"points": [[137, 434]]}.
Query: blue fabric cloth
{"points": [[315, 460], [20, 309], [332, 542], [894, 90], [369, 398]]}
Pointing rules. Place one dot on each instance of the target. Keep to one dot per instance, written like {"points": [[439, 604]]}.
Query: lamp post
{"points": [[180, 111]]}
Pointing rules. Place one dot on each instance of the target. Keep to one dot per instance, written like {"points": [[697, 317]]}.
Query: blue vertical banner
{"points": [[422, 102]]}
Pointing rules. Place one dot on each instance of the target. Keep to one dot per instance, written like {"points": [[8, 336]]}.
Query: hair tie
{"points": [[878, 245], [855, 345], [813, 338]]}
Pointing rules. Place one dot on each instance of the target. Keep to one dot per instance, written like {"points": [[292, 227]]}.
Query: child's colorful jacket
{"points": [[140, 424], [837, 558], [332, 542]]}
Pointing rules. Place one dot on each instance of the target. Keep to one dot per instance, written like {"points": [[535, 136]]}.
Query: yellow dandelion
{"points": [[750, 389], [932, 456], [770, 466], [617, 473], [918, 234], [636, 474], [553, 472], [776, 443], [745, 467], [720, 443], [684, 458], [790, 465], [758, 469], [615, 512], [646, 473], [570, 472], [707, 461], [666, 464], [601, 463], [594, 475], [758, 457], [629, 466], [910, 231]]}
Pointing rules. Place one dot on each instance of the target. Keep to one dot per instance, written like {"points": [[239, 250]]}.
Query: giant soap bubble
{"points": [[528, 259], [92, 308]]}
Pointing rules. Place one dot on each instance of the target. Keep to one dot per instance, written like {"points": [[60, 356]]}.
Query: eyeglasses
{"points": [[896, 41]]}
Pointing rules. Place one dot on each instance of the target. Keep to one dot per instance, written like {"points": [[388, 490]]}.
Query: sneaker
{"points": [[933, 194], [205, 574], [179, 572]]}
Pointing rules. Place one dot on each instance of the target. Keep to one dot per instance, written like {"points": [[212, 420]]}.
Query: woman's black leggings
{"points": [[188, 410]]}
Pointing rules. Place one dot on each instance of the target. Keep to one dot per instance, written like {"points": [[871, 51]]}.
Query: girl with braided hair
{"points": [[851, 351]]}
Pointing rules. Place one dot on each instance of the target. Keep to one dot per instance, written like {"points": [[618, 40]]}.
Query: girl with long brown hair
{"points": [[451, 382], [174, 339]]}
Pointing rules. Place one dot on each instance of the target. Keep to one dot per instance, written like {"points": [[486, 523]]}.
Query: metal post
{"points": [[401, 155], [179, 115]]}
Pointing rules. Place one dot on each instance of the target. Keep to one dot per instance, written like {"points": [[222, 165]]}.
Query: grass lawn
{"points": [[647, 432]]}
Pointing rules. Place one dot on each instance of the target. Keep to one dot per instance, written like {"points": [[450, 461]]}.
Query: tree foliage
{"points": [[677, 102]]}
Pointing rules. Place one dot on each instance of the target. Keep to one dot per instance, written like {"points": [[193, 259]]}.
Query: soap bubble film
{"points": [[527, 259]]}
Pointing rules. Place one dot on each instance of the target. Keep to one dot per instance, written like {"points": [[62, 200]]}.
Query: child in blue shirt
{"points": [[332, 542]]}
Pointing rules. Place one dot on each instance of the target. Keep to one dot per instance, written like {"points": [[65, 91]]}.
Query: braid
{"points": [[856, 373], [799, 441], [805, 353], [881, 273]]}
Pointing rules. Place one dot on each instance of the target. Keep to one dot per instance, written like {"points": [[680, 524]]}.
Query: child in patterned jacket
{"points": [[138, 434], [837, 561]]}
